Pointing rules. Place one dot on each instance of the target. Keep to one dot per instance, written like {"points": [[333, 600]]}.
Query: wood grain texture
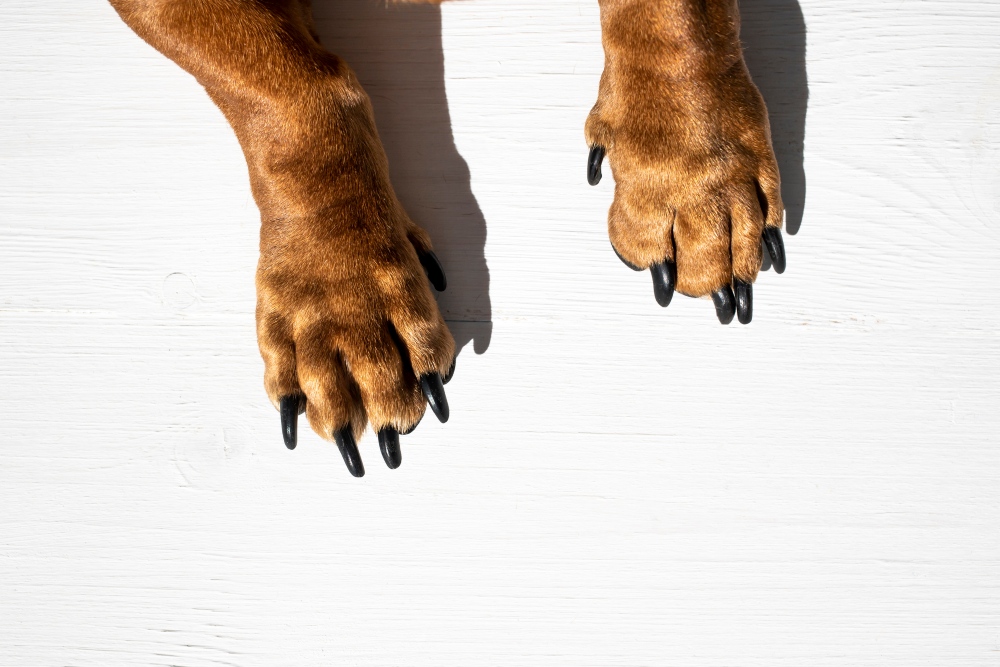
{"points": [[619, 484]]}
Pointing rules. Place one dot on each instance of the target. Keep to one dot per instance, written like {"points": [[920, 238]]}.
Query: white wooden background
{"points": [[619, 484]]}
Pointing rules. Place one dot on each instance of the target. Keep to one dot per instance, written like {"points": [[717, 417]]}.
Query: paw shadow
{"points": [[773, 33], [397, 54]]}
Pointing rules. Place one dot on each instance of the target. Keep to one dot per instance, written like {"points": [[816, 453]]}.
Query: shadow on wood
{"points": [[397, 54], [774, 46]]}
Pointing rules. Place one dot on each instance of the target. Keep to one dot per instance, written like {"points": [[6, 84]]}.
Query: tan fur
{"points": [[344, 313], [338, 276], [688, 140]]}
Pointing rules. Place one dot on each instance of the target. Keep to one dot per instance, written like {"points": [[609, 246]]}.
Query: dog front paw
{"points": [[349, 331], [696, 182]]}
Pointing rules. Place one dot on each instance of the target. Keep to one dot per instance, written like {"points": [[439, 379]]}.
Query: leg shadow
{"points": [[396, 51], [774, 46]]}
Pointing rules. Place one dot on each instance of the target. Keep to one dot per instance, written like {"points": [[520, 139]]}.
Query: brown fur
{"points": [[344, 313], [688, 139]]}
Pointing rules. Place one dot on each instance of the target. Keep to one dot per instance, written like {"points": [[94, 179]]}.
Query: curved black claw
{"points": [[625, 261], [349, 450], [663, 281], [451, 371], [725, 304], [289, 407], [433, 389], [413, 428], [775, 248], [432, 267], [594, 165], [388, 444], [744, 301]]}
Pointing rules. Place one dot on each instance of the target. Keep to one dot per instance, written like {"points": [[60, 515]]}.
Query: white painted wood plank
{"points": [[619, 484]]}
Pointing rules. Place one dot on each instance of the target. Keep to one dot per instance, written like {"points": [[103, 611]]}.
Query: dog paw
{"points": [[348, 328], [697, 189]]}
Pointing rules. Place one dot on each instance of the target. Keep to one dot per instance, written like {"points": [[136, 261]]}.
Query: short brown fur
{"points": [[345, 315], [688, 138]]}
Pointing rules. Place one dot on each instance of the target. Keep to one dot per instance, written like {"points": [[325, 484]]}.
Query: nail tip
{"points": [[388, 443], [289, 411], [663, 282], [594, 160], [433, 388], [288, 436], [663, 299], [775, 245], [725, 305], [744, 301], [356, 468], [392, 459], [440, 411], [349, 451]]}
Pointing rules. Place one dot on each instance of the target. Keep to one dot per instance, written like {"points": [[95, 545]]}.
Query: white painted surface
{"points": [[619, 484]]}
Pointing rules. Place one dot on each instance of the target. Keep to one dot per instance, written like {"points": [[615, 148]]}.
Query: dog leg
{"points": [[687, 135], [346, 322]]}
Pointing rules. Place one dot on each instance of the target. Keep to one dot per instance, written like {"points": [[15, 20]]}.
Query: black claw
{"points": [[388, 443], [290, 409], [775, 248], [744, 301], [725, 304], [451, 371], [663, 281], [349, 450], [432, 267], [625, 261], [594, 164], [433, 389], [412, 428]]}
